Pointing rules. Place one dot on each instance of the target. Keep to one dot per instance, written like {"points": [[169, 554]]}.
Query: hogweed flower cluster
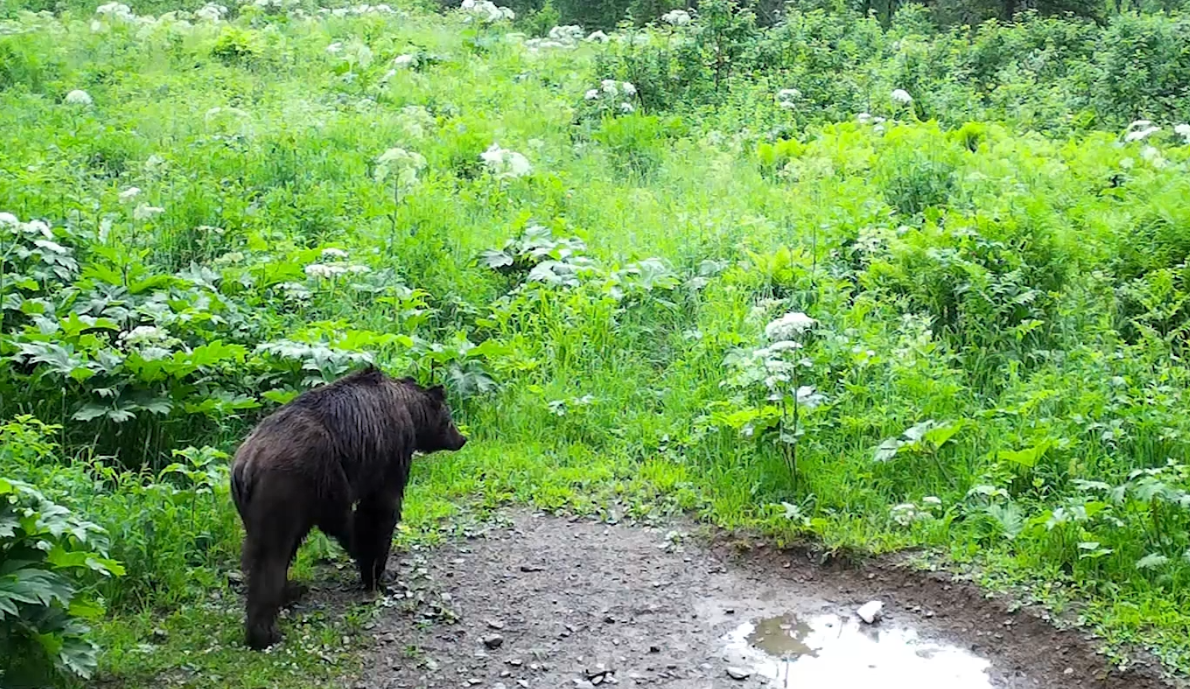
{"points": [[485, 11], [400, 165], [677, 18], [787, 98], [78, 97], [613, 94], [504, 163]]}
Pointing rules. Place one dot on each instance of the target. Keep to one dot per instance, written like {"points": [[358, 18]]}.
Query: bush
{"points": [[49, 560]]}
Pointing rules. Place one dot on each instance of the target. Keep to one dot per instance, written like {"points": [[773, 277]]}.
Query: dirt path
{"points": [[546, 602]]}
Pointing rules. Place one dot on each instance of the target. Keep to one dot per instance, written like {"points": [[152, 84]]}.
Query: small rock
{"points": [[654, 649], [494, 641], [160, 635], [530, 568], [523, 682], [738, 674], [515, 662], [870, 612], [1068, 671], [495, 624]]}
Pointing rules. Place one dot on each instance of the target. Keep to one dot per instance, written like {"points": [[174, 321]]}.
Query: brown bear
{"points": [[347, 443]]}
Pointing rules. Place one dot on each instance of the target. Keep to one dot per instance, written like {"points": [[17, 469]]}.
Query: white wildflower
{"points": [[597, 37], [399, 163], [323, 270], [40, 227], [504, 163], [405, 60], [1141, 133], [143, 335], [52, 247], [566, 35], [8, 220], [211, 12], [78, 97], [863, 118], [789, 327], [1152, 156], [808, 397], [901, 97], [1183, 130], [932, 501], [145, 211], [335, 48], [1127, 163], [905, 513], [129, 194], [609, 86], [628, 88], [676, 17], [786, 98], [627, 108], [485, 11], [592, 94], [332, 252]]}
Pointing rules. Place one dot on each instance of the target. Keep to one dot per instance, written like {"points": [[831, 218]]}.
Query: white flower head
{"points": [[791, 326], [40, 227], [609, 86], [901, 97], [335, 48], [786, 98], [627, 108], [211, 12], [8, 220], [405, 60], [144, 335], [1141, 132], [332, 252], [399, 163], [78, 97], [1183, 130], [144, 211], [592, 94], [628, 88], [597, 37], [485, 11], [504, 163], [676, 17], [129, 194], [1152, 156]]}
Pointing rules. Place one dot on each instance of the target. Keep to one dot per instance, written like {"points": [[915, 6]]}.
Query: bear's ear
{"points": [[437, 392], [409, 380]]}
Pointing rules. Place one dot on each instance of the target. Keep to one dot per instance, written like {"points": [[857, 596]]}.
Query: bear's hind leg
{"points": [[372, 534], [266, 593]]}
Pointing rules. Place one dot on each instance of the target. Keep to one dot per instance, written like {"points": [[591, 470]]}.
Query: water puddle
{"points": [[834, 651]]}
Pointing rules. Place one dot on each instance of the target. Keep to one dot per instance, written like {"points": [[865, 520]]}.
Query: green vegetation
{"points": [[884, 287]]}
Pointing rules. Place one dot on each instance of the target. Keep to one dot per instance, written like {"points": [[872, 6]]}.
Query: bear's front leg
{"points": [[372, 535]]}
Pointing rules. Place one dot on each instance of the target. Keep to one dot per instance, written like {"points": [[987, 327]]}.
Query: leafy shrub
{"points": [[48, 558]]}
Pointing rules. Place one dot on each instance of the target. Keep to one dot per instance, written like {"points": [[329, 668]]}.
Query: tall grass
{"points": [[994, 373]]}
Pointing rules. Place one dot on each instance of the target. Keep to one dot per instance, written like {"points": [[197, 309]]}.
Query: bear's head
{"points": [[439, 432]]}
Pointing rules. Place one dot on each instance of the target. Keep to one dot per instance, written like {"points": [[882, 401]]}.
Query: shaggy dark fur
{"points": [[347, 443]]}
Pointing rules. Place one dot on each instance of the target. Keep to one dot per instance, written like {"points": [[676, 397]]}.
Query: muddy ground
{"points": [[546, 602]]}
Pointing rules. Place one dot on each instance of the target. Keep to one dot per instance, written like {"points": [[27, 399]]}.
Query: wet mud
{"points": [[553, 603]]}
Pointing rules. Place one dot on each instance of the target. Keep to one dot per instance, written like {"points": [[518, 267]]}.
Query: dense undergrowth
{"points": [[884, 288]]}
